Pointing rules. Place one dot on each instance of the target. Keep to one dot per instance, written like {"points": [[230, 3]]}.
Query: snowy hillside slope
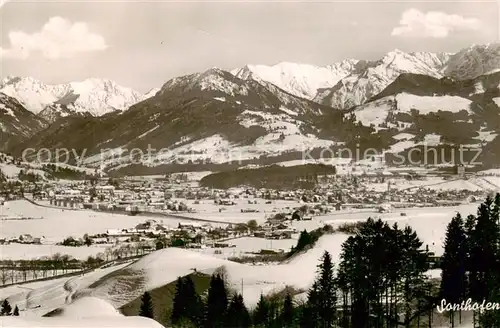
{"points": [[456, 112], [40, 298], [379, 111], [165, 266]]}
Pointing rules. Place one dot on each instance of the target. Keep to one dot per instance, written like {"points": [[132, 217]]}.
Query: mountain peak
{"points": [[302, 80], [94, 95], [212, 71], [213, 79], [474, 61]]}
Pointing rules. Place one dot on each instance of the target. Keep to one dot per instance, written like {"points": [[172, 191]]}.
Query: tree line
{"points": [[471, 262], [60, 264], [24, 270], [381, 281]]}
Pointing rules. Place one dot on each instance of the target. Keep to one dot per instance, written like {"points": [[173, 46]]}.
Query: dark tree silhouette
{"points": [[261, 313], [217, 302], [146, 309], [453, 274], [237, 316], [6, 308]]}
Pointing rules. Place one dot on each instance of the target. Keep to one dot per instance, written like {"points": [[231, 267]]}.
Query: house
{"points": [[275, 220], [105, 190], [281, 226], [26, 239], [225, 202], [189, 225]]}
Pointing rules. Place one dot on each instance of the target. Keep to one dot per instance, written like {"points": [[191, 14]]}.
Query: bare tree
{"points": [[64, 260], [5, 274], [24, 267], [108, 254], [56, 263], [34, 266], [45, 265]]}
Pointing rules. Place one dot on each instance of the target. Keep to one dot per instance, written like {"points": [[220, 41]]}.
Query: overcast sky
{"points": [[142, 44]]}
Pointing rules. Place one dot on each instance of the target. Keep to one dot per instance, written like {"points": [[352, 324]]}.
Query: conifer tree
{"points": [[193, 307], [261, 313], [305, 239], [310, 317], [344, 278], [187, 305], [483, 252], [287, 316], [327, 297], [146, 309], [6, 308], [453, 272], [16, 311], [488, 234], [415, 264], [237, 316], [217, 302], [377, 265], [179, 302]]}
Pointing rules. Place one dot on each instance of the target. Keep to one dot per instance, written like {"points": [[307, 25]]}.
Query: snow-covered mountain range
{"points": [[358, 87], [268, 113], [302, 80], [352, 82], [94, 96]]}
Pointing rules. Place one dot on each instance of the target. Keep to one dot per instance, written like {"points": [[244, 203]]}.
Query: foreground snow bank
{"points": [[83, 312], [108, 322], [87, 307]]}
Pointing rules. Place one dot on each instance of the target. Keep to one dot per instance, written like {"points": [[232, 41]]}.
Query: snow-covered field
{"points": [[28, 252], [377, 112], [207, 209], [12, 171], [425, 105], [430, 223], [438, 183], [243, 246], [57, 224]]}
